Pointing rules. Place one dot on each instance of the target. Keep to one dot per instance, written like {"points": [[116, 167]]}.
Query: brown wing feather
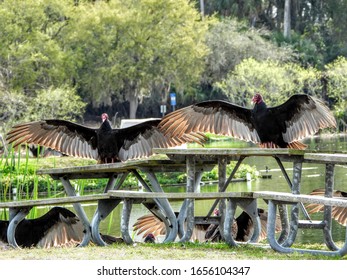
{"points": [[149, 224], [218, 117], [142, 138], [63, 136], [263, 215], [65, 233], [337, 213], [303, 115]]}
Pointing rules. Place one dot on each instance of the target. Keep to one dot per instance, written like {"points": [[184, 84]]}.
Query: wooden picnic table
{"points": [[194, 162], [116, 174], [223, 156]]}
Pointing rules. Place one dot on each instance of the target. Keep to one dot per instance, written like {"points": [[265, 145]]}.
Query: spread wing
{"points": [[218, 117], [66, 232], [66, 137], [140, 139], [338, 213], [149, 224], [303, 115], [263, 215]]}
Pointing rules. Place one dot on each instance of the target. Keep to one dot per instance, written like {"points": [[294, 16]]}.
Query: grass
{"points": [[170, 251]]}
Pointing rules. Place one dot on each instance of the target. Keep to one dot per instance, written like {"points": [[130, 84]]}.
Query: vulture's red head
{"points": [[257, 98], [104, 117], [150, 238], [216, 212]]}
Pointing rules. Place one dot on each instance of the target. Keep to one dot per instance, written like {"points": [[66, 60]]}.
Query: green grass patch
{"points": [[169, 251]]}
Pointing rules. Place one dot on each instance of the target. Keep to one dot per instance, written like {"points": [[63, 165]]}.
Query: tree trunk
{"points": [[202, 8], [134, 103], [286, 22]]}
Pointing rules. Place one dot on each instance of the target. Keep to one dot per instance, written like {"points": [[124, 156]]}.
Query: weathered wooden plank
{"points": [[326, 158], [228, 152], [104, 170], [294, 198], [54, 201], [178, 196], [96, 168]]}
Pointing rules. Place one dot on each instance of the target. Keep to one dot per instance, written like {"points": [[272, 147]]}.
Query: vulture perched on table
{"points": [[106, 145], [270, 127], [337, 213], [242, 228], [59, 227]]}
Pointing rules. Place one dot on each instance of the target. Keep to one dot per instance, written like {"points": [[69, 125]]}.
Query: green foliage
{"points": [[213, 174], [57, 103], [336, 76], [275, 80], [13, 107], [309, 48], [30, 56], [124, 48], [231, 42], [336, 79], [111, 52], [63, 103]]}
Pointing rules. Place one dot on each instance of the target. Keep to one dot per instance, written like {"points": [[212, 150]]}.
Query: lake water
{"points": [[312, 178]]}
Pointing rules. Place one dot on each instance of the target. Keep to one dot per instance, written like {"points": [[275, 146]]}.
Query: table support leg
{"points": [[271, 225], [229, 220], [189, 203], [166, 207], [226, 183], [158, 209], [183, 211], [251, 208], [222, 175], [294, 223], [292, 188], [329, 188], [127, 206], [105, 207], [17, 215], [79, 210], [282, 209]]}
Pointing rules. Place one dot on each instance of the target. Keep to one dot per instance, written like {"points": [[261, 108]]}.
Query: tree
{"points": [[30, 56], [276, 81], [286, 21], [231, 42], [57, 103], [127, 47]]}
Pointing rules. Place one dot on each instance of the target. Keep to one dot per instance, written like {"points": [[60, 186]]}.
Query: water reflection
{"points": [[312, 178]]}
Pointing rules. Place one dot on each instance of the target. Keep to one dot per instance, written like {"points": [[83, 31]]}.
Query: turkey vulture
{"points": [[59, 227], [153, 226], [242, 228], [270, 127], [149, 238], [106, 145], [337, 213]]}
